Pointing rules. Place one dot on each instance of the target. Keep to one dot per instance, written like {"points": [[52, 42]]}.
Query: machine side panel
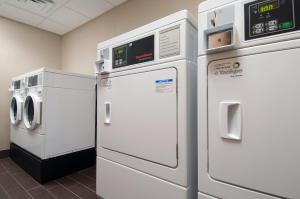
{"points": [[70, 120], [115, 181]]}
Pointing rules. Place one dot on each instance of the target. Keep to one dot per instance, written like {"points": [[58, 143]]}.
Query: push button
{"points": [[286, 25], [258, 31], [273, 23], [258, 26]]}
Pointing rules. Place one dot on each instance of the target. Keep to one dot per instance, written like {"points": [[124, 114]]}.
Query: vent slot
{"points": [[40, 7]]}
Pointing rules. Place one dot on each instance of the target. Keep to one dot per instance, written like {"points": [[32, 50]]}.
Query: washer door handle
{"points": [[107, 113]]}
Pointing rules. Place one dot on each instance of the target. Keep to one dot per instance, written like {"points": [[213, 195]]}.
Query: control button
{"points": [[273, 23], [286, 25], [272, 28], [258, 31], [258, 26]]}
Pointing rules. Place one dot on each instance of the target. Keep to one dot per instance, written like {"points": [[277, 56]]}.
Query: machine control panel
{"points": [[17, 84], [32, 81], [135, 52], [270, 17]]}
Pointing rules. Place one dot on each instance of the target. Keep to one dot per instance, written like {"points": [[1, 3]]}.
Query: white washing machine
{"points": [[248, 99], [59, 116], [147, 112], [16, 104]]}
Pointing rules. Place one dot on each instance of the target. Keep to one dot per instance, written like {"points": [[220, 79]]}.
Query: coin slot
{"points": [[220, 39]]}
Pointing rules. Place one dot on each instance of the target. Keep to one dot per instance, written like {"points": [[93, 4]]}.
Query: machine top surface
{"points": [[57, 71], [212, 4]]}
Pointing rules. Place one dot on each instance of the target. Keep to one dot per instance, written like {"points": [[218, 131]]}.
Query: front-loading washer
{"points": [[146, 144], [248, 99], [59, 120], [16, 107]]}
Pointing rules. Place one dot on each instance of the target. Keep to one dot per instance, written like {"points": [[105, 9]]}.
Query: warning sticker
{"points": [[164, 86], [106, 83]]}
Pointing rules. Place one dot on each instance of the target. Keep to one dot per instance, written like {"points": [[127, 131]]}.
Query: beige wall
{"points": [[23, 48], [79, 46]]}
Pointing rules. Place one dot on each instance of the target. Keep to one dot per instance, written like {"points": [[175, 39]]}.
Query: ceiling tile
{"points": [[17, 14], [68, 17], [62, 17], [89, 8], [41, 9], [54, 27], [116, 2]]}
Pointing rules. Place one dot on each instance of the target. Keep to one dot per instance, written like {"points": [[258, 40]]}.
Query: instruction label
{"points": [[169, 42], [164, 86]]}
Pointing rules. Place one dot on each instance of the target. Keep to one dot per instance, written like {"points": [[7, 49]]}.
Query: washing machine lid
{"points": [[15, 112], [32, 111]]}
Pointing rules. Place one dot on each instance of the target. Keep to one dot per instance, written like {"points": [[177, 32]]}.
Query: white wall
{"points": [[24, 48]]}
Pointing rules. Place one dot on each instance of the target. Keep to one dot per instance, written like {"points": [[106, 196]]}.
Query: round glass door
{"points": [[31, 112], [15, 110]]}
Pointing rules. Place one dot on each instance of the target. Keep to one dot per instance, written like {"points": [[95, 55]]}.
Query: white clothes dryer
{"points": [[146, 144], [248, 99], [59, 119]]}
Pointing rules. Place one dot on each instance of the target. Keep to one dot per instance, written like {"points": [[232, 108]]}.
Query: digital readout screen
{"points": [[32, 81], [266, 7], [17, 84]]}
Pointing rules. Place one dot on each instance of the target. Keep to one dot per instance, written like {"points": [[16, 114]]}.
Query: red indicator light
{"points": [[144, 55]]}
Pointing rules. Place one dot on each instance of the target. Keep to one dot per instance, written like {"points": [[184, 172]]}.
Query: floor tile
{"points": [[26, 180], [50, 185], [3, 194], [77, 188], [15, 183], [2, 169], [62, 193], [41, 193], [90, 172], [87, 181], [14, 190], [11, 166]]}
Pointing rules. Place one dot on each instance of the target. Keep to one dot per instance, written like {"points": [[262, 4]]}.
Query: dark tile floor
{"points": [[16, 184]]}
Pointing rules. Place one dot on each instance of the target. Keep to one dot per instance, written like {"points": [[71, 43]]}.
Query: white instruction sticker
{"points": [[164, 86], [169, 42]]}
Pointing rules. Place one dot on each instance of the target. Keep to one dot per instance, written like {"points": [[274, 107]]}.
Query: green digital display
{"points": [[266, 7], [120, 51]]}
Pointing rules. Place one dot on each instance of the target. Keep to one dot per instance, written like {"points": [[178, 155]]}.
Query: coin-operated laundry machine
{"points": [[16, 104], [248, 99], [59, 120], [147, 112]]}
